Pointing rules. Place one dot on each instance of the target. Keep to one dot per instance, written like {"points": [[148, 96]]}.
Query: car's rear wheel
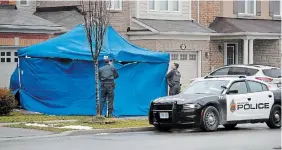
{"points": [[230, 126], [274, 121], [209, 119], [162, 128]]}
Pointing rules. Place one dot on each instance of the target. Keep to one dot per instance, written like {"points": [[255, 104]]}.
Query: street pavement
{"points": [[245, 137], [6, 133]]}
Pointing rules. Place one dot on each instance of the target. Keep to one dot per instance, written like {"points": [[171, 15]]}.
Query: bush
{"points": [[7, 101]]}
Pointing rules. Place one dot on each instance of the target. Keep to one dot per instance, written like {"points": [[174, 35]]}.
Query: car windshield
{"points": [[206, 87], [273, 73]]}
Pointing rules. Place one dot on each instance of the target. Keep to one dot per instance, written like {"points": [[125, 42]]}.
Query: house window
{"points": [[246, 7], [183, 56], [152, 5], [164, 5], [115, 4], [175, 5], [174, 56], [8, 57], [274, 8], [192, 56], [23, 2]]}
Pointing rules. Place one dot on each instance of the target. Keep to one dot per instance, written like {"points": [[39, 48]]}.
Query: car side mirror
{"points": [[233, 92]]}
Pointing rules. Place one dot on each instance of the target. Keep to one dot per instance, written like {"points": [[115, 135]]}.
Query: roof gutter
{"points": [[170, 33], [31, 29], [246, 34]]}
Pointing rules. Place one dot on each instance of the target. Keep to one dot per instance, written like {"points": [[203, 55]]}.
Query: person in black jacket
{"points": [[173, 80], [107, 75]]}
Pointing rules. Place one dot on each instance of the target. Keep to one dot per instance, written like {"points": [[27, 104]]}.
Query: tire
{"points": [[230, 126], [274, 121], [210, 119], [163, 128]]}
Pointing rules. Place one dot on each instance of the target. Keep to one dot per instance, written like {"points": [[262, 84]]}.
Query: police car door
{"points": [[236, 98], [263, 99]]}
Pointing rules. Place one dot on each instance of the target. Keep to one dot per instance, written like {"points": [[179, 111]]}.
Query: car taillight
{"points": [[265, 79]]}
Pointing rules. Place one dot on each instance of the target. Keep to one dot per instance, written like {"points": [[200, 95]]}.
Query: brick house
{"points": [[163, 26], [18, 28], [248, 32]]}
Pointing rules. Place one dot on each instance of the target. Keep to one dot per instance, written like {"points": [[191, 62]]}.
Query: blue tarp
{"points": [[57, 86]]}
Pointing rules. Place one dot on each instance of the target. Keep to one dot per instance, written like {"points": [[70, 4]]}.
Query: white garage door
{"points": [[8, 63], [188, 65]]}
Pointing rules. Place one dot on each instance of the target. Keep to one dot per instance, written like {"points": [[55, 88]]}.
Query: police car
{"points": [[208, 103]]}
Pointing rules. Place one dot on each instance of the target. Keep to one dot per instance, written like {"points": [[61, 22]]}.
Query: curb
{"points": [[83, 132], [112, 130]]}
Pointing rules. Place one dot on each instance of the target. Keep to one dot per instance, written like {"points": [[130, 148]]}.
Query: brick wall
{"points": [[120, 20], [208, 11], [174, 45], [267, 52]]}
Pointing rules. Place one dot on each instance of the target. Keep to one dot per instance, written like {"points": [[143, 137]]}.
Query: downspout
{"points": [[198, 9]]}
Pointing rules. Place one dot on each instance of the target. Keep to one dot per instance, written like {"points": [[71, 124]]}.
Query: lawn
{"points": [[19, 117]]}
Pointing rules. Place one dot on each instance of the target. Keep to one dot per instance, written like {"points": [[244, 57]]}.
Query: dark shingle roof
{"points": [[231, 25], [19, 19], [175, 26], [67, 19]]}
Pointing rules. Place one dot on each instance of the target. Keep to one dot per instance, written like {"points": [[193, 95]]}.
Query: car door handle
{"points": [[249, 99], [269, 96]]}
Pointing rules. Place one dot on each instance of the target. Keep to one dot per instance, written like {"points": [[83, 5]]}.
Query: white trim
{"points": [[199, 63], [30, 31], [245, 14], [113, 7], [236, 53], [145, 26], [225, 53], [169, 37], [198, 10], [17, 41], [251, 51], [190, 10], [245, 51]]}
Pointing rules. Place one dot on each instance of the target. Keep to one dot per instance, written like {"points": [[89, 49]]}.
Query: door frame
{"points": [[236, 52]]}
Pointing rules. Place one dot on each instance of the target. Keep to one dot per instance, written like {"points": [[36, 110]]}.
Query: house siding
{"points": [[267, 52], [174, 45], [184, 13]]}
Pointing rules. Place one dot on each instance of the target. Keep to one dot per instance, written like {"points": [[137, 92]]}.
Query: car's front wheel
{"points": [[274, 121], [162, 128], [209, 119]]}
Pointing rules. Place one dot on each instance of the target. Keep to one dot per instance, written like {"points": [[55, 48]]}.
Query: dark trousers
{"points": [[174, 90], [107, 93]]}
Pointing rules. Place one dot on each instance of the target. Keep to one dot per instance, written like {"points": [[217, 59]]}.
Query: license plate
{"points": [[164, 115]]}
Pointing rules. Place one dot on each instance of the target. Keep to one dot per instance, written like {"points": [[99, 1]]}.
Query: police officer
{"points": [[107, 75], [173, 80]]}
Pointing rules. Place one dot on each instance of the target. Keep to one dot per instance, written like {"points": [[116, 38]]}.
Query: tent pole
{"points": [[19, 72]]}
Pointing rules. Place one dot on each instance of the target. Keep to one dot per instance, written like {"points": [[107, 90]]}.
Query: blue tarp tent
{"points": [[57, 76]]}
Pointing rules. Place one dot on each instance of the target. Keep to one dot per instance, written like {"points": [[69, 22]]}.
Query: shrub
{"points": [[7, 101]]}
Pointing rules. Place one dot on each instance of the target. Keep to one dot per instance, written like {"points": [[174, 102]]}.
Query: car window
{"points": [[237, 71], [273, 73], [222, 71], [207, 87], [256, 86], [264, 87], [251, 72], [240, 86]]}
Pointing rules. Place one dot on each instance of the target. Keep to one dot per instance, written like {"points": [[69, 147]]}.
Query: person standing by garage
{"points": [[173, 80], [107, 75]]}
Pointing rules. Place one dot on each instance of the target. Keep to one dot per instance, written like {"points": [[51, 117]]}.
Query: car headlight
{"points": [[190, 106]]}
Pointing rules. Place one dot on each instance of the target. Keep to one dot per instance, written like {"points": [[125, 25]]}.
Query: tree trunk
{"points": [[97, 88]]}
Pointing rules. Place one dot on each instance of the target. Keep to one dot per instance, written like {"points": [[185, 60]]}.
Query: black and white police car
{"points": [[208, 103]]}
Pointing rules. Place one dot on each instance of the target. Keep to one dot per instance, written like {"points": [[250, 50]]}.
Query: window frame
{"points": [[276, 15], [155, 5], [245, 13], [113, 8], [169, 9], [27, 3]]}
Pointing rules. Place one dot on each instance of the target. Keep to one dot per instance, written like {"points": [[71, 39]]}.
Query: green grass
{"points": [[96, 124], [19, 117]]}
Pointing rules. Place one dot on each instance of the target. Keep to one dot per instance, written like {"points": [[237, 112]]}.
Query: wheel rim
{"points": [[210, 119], [277, 117]]}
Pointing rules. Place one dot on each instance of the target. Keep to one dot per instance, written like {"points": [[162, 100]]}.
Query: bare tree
{"points": [[96, 19]]}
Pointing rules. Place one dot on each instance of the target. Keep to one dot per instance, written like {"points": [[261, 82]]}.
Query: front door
{"points": [[231, 54]]}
